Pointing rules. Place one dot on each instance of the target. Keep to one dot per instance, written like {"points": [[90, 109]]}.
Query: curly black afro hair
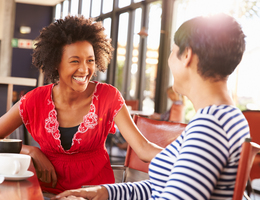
{"points": [[49, 47]]}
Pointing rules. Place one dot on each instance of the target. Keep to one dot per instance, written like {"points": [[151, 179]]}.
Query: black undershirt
{"points": [[66, 136]]}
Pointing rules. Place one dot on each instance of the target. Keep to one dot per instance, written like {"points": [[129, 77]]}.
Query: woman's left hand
{"points": [[91, 193]]}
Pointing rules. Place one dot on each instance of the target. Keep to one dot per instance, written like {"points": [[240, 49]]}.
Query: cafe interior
{"points": [[141, 33]]}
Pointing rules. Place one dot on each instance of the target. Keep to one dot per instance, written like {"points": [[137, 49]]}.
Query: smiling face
{"points": [[77, 66]]}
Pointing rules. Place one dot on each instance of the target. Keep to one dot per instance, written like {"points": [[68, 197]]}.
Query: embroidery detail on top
{"points": [[49, 102], [120, 99], [51, 124], [121, 105], [90, 120], [78, 140], [21, 111], [95, 96]]}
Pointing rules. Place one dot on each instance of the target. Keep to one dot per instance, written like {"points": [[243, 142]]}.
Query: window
{"points": [[102, 76], [65, 8], [107, 6], [95, 8], [107, 26], [152, 54], [121, 50], [58, 11], [85, 9], [135, 54], [74, 7], [124, 3]]}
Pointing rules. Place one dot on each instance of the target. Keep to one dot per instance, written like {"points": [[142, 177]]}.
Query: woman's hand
{"points": [[44, 169], [91, 193]]}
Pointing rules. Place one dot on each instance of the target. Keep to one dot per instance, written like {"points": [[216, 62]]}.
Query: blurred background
{"points": [[142, 34]]}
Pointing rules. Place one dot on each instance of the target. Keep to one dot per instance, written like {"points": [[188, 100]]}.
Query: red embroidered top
{"points": [[87, 161]]}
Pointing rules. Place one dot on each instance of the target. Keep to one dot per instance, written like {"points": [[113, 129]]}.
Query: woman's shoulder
{"points": [[106, 89], [104, 86], [219, 111], [40, 92], [226, 118]]}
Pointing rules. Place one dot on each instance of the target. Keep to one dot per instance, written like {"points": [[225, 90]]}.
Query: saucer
{"points": [[24, 176]]}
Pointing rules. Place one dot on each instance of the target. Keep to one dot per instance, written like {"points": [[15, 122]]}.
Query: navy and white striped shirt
{"points": [[201, 164]]}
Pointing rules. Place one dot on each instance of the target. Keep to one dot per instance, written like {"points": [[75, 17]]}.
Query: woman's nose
{"points": [[83, 68]]}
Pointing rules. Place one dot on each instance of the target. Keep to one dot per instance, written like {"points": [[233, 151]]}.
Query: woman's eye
{"points": [[74, 61], [91, 60]]}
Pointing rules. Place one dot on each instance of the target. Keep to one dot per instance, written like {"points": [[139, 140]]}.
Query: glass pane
{"points": [[121, 49], [58, 11], [65, 8], [95, 8], [74, 7], [153, 43], [102, 76], [107, 6], [123, 3], [107, 26], [136, 41], [85, 8]]}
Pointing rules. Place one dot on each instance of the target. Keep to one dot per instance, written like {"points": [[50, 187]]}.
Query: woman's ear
{"points": [[187, 56]]}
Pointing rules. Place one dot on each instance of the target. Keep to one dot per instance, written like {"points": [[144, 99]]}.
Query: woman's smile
{"points": [[80, 79], [77, 65]]}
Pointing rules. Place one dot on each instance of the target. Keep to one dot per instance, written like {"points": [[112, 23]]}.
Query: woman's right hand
{"points": [[44, 168]]}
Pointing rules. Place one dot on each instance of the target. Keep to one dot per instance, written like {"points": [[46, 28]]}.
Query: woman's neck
{"points": [[211, 93]]}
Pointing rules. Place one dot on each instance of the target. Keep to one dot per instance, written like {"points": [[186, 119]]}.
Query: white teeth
{"points": [[82, 79]]}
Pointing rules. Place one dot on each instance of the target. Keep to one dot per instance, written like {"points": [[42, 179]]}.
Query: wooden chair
{"points": [[161, 133], [253, 118], [133, 103], [248, 152]]}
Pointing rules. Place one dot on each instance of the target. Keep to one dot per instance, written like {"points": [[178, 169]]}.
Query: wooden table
{"points": [[28, 189]]}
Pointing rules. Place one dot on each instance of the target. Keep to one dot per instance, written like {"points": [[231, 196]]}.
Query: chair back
{"points": [[253, 119], [161, 133], [133, 103], [248, 153]]}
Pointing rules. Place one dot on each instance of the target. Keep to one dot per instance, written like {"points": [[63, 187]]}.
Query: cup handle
{"points": [[17, 167]]}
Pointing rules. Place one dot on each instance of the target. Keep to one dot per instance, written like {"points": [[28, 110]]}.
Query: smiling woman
{"points": [[71, 117], [77, 66]]}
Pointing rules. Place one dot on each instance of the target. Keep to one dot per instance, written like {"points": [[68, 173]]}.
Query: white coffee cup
{"points": [[14, 164]]}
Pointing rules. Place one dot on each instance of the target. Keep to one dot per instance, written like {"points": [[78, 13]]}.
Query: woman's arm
{"points": [[43, 167], [145, 150], [45, 170], [136, 190]]}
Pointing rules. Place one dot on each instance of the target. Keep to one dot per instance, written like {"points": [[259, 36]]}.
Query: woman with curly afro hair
{"points": [[71, 117]]}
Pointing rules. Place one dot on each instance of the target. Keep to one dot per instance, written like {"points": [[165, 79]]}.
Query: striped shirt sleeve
{"points": [[135, 190]]}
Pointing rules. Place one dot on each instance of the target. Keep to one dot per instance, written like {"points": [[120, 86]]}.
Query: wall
{"points": [[1, 18], [36, 17]]}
